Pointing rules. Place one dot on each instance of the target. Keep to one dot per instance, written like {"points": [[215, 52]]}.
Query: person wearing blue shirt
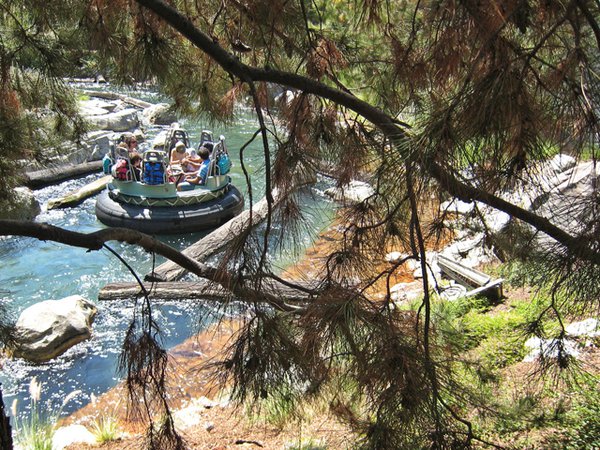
{"points": [[200, 178]]}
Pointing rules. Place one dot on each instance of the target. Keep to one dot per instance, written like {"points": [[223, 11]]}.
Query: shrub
{"points": [[104, 429]]}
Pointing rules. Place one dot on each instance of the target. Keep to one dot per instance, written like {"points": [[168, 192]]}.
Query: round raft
{"points": [[113, 209]]}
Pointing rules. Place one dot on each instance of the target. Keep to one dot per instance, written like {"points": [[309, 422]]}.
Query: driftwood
{"points": [[166, 291], [76, 197], [194, 290], [213, 242], [115, 96], [53, 175]]}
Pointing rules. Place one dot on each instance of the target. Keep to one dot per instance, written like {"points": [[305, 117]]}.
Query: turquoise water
{"points": [[33, 271]]}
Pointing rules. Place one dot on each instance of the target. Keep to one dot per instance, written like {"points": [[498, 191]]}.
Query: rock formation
{"points": [[49, 328]]}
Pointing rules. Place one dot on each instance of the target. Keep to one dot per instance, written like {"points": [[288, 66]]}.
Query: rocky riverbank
{"points": [[108, 115]]}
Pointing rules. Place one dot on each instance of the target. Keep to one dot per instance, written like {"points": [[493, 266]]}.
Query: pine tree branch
{"points": [[377, 117], [96, 241]]}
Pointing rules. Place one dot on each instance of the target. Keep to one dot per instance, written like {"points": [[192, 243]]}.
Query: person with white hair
{"points": [[178, 154]]}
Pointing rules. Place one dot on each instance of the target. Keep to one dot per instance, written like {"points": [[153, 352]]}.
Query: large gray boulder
{"points": [[159, 114], [353, 192], [49, 328], [93, 147], [124, 120], [22, 205], [96, 107]]}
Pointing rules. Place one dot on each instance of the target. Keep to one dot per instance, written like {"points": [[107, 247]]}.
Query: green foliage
{"points": [[552, 416], [590, 153], [105, 429], [518, 272], [491, 90], [584, 421], [306, 444], [40, 44], [281, 408], [520, 413]]}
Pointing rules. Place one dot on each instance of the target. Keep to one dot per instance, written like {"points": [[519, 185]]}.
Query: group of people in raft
{"points": [[186, 168]]}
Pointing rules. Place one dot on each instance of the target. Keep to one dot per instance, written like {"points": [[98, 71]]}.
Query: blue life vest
{"points": [[154, 172], [224, 163]]}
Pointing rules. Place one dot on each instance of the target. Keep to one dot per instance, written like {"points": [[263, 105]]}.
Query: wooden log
{"points": [[53, 175], [213, 242], [115, 96], [194, 290], [76, 197], [462, 274], [201, 289], [482, 283]]}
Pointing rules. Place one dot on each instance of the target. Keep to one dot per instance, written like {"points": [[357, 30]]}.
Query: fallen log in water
{"points": [[76, 197], [53, 175], [165, 291], [213, 242], [115, 96], [194, 290]]}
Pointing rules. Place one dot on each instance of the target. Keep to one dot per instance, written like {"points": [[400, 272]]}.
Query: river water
{"points": [[32, 271]]}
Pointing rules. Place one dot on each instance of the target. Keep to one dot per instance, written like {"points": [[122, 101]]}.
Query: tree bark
{"points": [[213, 242], [6, 442], [195, 290], [97, 240], [181, 290]]}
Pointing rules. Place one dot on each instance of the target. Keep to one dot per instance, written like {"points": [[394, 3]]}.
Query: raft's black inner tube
{"points": [[170, 219]]}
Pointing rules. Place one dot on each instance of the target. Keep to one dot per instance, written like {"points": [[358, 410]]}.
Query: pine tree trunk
{"points": [[6, 442]]}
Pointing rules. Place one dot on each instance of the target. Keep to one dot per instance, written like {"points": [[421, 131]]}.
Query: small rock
{"points": [[205, 402], [395, 257], [433, 273], [71, 434], [159, 114], [549, 348], [354, 192], [457, 207], [209, 426], [495, 221], [187, 417], [460, 249], [562, 162], [412, 264], [406, 292], [588, 327]]}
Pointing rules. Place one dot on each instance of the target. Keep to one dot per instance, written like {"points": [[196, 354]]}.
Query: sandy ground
{"points": [[204, 416]]}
